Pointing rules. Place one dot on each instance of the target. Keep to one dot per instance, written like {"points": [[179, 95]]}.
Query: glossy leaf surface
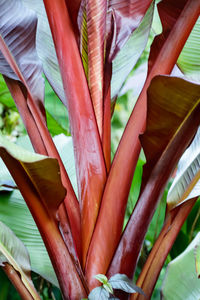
{"points": [[21, 27], [166, 116]]}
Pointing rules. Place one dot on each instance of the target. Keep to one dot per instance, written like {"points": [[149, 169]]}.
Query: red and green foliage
{"points": [[86, 50]]}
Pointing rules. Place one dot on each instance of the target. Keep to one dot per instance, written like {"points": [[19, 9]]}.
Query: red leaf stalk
{"points": [[110, 220], [90, 165], [161, 248]]}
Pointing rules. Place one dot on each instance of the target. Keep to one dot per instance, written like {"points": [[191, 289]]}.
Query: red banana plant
{"points": [[94, 42]]}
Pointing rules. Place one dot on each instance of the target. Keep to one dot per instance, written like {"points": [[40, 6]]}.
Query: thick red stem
{"points": [[118, 184], [90, 165], [71, 202], [29, 122], [16, 281], [68, 278], [106, 141], [161, 249], [126, 256]]}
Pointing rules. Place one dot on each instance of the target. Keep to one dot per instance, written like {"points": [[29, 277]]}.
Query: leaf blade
{"points": [[13, 251], [186, 183], [21, 27], [122, 282]]}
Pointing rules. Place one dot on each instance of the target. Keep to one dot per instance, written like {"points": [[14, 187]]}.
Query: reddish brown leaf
{"points": [[114, 199], [123, 18], [161, 248], [18, 31], [173, 104], [67, 275], [169, 12]]}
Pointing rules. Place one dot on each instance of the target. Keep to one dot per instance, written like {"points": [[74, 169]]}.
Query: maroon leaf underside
{"points": [[71, 201], [102, 248], [123, 18], [127, 252], [169, 12], [90, 165], [18, 30]]}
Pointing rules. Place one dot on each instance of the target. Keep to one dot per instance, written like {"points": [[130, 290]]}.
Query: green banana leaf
{"points": [[12, 251], [189, 59], [181, 279], [15, 214], [186, 184]]}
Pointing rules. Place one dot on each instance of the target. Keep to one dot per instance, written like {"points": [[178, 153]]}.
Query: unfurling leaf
{"points": [[102, 278], [106, 285]]}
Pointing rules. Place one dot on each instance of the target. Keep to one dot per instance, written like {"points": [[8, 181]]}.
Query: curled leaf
{"points": [[186, 184], [14, 252]]}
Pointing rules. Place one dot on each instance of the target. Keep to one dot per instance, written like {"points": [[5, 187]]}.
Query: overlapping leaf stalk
{"points": [[105, 27]]}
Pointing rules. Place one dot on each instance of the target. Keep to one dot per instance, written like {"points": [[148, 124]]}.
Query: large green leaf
{"points": [[6, 181], [5, 97], [189, 59], [34, 168], [15, 214], [186, 184], [181, 280], [64, 145], [12, 251]]}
